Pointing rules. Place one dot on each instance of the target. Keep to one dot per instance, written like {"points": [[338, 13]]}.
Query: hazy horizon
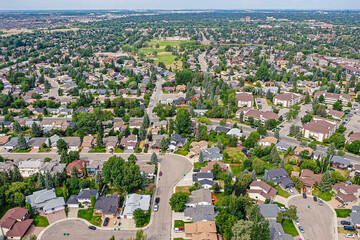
{"points": [[180, 5]]}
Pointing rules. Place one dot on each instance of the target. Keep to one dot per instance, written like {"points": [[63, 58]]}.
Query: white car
{"points": [[349, 235], [156, 208], [297, 222]]}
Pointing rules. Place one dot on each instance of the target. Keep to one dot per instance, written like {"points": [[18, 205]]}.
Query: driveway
{"points": [[319, 222], [173, 167], [55, 216], [73, 212]]}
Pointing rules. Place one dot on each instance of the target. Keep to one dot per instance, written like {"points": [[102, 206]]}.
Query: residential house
{"points": [[269, 211], [212, 154], [235, 132], [83, 198], [355, 216], [244, 99], [279, 176], [79, 164], [119, 126], [107, 205], [335, 114], [267, 141], [180, 88], [129, 143], [346, 193], [52, 141], [261, 191], [37, 142], [111, 142], [354, 137], [309, 178], [287, 99], [197, 147], [199, 197], [94, 167], [200, 213], [147, 169], [28, 168], [339, 162], [45, 201], [299, 150], [201, 230], [133, 202], [282, 146], [88, 142], [4, 139], [223, 167], [52, 167], [11, 145], [320, 128], [73, 143], [133, 125], [176, 142], [15, 223], [206, 180], [262, 116], [277, 231]]}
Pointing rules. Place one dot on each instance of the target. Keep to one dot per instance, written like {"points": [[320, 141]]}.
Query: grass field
{"points": [[342, 213], [197, 165], [179, 224], [183, 189], [282, 192], [236, 170], [98, 150], [235, 155], [88, 214], [166, 58], [289, 227], [40, 221], [181, 152], [323, 195]]}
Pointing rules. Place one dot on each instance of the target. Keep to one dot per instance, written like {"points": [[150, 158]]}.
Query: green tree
{"points": [[61, 144], [178, 201], [291, 213], [36, 130], [49, 181], [241, 230], [260, 230], [163, 144], [201, 157], [21, 142], [93, 200], [140, 217], [325, 184], [183, 122], [258, 165], [142, 132], [74, 172], [261, 130], [146, 120], [154, 159]]}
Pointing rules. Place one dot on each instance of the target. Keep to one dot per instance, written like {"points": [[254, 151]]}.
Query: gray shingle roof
{"points": [[269, 210], [201, 213]]}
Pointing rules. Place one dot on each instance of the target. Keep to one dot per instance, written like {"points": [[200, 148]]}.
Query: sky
{"points": [[178, 4]]}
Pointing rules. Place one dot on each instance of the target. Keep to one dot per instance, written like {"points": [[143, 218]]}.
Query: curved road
{"points": [[173, 167]]}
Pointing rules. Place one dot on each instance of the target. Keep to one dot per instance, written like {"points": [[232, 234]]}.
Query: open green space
{"points": [[342, 213], [167, 59], [40, 221], [289, 227], [88, 214], [234, 155]]}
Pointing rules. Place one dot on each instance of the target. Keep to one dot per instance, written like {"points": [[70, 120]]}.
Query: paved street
{"points": [[173, 167], [318, 221], [202, 62]]}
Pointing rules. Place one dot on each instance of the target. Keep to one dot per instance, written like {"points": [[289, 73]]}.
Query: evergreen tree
{"points": [[277, 134], [49, 181], [99, 139], [63, 156], [253, 175], [41, 181], [307, 98], [325, 184], [198, 132], [154, 159], [16, 177], [17, 127], [241, 117], [201, 157], [36, 130], [146, 120], [163, 144], [142, 132], [219, 145], [74, 173], [21, 142]]}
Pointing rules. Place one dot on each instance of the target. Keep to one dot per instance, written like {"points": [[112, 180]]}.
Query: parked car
{"points": [[320, 202], [315, 199], [160, 174], [119, 224], [92, 227], [349, 228], [349, 235], [179, 229], [297, 222], [106, 221], [196, 170], [304, 195], [345, 223], [157, 200], [301, 229], [156, 208]]}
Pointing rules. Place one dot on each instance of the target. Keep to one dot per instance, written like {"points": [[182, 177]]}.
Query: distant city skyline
{"points": [[178, 5]]}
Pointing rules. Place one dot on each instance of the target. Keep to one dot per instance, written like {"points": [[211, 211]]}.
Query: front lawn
{"points": [[40, 221], [183, 189], [181, 152], [21, 150], [342, 213], [235, 155], [282, 192], [43, 150], [88, 214], [98, 150], [197, 165], [323, 195], [279, 204], [119, 150], [179, 224], [289, 227]]}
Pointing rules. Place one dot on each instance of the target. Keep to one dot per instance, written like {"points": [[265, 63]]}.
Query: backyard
{"points": [[234, 155]]}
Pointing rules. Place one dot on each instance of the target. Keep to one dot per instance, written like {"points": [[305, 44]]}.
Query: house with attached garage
{"points": [[287, 99], [28, 168], [129, 143], [133, 202], [277, 231], [79, 164], [111, 142], [260, 190], [15, 223], [282, 146], [279, 176], [346, 193], [206, 180], [83, 198], [147, 169], [73, 143], [94, 167], [199, 197], [355, 216], [200, 213], [339, 162], [266, 142], [88, 142], [37, 142], [176, 142], [269, 211], [201, 230], [212, 154], [45, 201], [107, 205]]}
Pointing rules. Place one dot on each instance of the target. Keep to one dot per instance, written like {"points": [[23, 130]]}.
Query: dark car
{"points": [[157, 200], [315, 199], [92, 227], [304, 195], [196, 170], [106, 221], [349, 228], [345, 223]]}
